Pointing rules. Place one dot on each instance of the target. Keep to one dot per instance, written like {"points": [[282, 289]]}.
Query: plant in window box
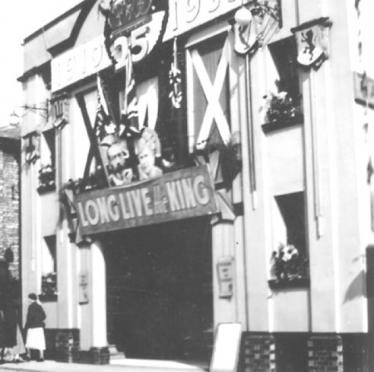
{"points": [[280, 107], [49, 286], [46, 178], [288, 264]]}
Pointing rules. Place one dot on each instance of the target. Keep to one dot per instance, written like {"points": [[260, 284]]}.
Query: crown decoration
{"points": [[134, 27], [126, 15]]}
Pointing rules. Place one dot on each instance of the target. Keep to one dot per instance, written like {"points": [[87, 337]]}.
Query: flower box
{"points": [[291, 283], [281, 111], [281, 124]]}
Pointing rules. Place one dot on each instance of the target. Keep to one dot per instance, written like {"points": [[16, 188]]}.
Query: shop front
{"points": [[157, 245], [139, 251]]}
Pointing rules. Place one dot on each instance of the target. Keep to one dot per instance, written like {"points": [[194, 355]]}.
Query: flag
{"points": [[130, 104], [103, 119], [312, 40]]}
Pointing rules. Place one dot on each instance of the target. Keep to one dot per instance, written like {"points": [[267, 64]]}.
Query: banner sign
{"points": [[79, 63], [182, 194], [186, 15]]}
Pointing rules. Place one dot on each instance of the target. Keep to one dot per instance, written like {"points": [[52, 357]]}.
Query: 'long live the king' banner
{"points": [[182, 194]]}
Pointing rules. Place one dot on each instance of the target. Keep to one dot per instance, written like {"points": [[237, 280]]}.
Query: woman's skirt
{"points": [[35, 339], [20, 347]]}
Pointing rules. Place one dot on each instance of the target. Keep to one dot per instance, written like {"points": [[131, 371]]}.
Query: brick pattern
{"points": [[9, 205], [258, 353], [67, 350], [93, 356], [325, 353], [66, 342]]}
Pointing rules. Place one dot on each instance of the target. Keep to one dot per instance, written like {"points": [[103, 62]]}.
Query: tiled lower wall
{"points": [[303, 352], [63, 346]]}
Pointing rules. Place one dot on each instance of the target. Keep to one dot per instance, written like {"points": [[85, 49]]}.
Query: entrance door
{"points": [[159, 288]]}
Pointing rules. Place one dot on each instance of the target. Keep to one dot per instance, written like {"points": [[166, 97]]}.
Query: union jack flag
{"points": [[102, 115]]}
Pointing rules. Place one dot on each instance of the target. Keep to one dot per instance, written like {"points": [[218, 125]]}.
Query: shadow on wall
{"points": [[357, 288]]}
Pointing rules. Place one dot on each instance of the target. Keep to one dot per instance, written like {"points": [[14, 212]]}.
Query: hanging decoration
{"points": [[175, 79], [135, 26], [129, 122], [68, 192], [104, 125], [313, 42], [256, 25], [60, 110], [225, 164], [32, 147]]}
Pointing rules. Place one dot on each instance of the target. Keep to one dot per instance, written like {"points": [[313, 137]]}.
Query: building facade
{"points": [[201, 163]]}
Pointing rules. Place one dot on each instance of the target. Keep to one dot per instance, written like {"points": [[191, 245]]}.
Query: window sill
{"points": [[42, 189], [48, 298], [281, 124], [291, 283]]}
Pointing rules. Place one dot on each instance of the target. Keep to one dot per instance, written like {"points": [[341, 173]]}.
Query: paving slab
{"points": [[125, 365]]}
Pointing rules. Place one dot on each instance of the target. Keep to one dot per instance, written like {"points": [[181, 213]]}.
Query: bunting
{"points": [[175, 79]]}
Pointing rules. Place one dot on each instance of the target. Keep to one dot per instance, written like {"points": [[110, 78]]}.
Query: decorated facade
{"points": [[199, 164]]}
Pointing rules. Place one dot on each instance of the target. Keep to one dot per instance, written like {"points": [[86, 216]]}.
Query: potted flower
{"points": [[49, 287], [46, 178], [289, 266], [280, 107]]}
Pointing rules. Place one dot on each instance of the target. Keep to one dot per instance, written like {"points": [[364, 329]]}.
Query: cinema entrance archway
{"points": [[159, 290]]}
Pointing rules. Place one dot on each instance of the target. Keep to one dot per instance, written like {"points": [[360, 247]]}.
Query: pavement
{"points": [[121, 365]]}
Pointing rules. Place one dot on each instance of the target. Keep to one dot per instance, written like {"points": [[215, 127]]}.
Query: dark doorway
{"points": [[159, 290]]}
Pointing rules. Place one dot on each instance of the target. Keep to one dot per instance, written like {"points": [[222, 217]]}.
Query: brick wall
{"points": [[258, 353], [325, 353], [9, 204], [303, 352], [63, 346]]}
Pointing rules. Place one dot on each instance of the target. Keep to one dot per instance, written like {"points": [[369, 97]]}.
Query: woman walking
{"points": [[35, 328], [14, 340]]}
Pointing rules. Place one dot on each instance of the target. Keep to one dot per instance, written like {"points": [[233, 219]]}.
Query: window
{"points": [[208, 69], [49, 269], [289, 220], [48, 161], [289, 238], [283, 99], [284, 53]]}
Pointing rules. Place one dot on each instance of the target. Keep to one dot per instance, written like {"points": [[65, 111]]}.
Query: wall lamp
{"points": [[42, 109], [245, 13]]}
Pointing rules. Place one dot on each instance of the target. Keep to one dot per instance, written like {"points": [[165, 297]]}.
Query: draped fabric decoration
{"points": [[67, 198], [255, 26], [223, 195], [175, 79], [129, 123]]}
